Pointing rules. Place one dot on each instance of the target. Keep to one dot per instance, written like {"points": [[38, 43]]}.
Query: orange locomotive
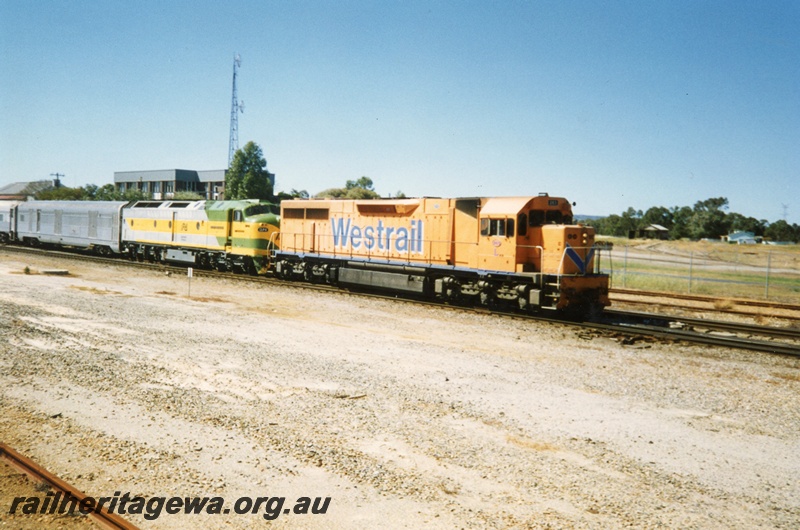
{"points": [[521, 250]]}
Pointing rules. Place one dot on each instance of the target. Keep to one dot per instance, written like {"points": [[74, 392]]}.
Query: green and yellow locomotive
{"points": [[226, 235]]}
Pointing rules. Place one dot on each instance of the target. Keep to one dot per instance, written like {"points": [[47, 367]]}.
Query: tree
{"points": [[108, 192], [332, 193], [782, 231], [187, 196], [608, 226], [293, 194], [628, 222], [656, 215], [248, 177], [708, 219], [361, 193], [90, 192], [354, 189], [61, 193], [363, 182], [616, 225], [134, 195], [681, 215], [705, 220], [738, 222]]}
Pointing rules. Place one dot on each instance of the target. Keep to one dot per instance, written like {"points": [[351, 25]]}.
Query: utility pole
{"points": [[236, 107], [57, 181]]}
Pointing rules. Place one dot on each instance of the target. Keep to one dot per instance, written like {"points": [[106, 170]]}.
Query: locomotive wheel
{"points": [[285, 270]]}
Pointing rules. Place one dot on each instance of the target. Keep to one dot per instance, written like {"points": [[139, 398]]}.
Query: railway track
{"points": [[786, 341], [712, 325], [709, 299], [40, 475], [729, 306]]}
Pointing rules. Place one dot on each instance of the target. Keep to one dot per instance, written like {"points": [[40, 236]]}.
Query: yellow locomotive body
{"points": [[523, 250]]}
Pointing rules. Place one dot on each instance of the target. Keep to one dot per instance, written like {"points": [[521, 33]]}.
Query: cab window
{"points": [[555, 217], [536, 218], [522, 223], [497, 227], [261, 209], [238, 216]]}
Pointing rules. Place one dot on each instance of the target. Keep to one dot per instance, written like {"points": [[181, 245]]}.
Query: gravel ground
{"points": [[404, 416]]}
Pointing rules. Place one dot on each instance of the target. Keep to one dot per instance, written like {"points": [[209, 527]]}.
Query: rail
{"points": [[24, 464]]}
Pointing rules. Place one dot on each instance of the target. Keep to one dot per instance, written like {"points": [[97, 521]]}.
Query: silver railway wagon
{"points": [[81, 224], [8, 216]]}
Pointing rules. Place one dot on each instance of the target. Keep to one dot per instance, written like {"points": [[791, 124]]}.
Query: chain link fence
{"points": [[718, 269]]}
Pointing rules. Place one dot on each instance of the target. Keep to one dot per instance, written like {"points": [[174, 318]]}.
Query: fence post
{"points": [[625, 269], [691, 263], [766, 283]]}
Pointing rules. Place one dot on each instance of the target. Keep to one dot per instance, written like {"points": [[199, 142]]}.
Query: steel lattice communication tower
{"points": [[236, 107]]}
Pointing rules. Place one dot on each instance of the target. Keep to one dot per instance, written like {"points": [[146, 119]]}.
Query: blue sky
{"points": [[611, 104]]}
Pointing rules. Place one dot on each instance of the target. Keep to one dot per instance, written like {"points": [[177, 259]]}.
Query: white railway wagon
{"points": [[81, 224], [8, 216]]}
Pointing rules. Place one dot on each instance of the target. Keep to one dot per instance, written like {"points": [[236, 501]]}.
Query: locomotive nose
{"points": [[580, 236]]}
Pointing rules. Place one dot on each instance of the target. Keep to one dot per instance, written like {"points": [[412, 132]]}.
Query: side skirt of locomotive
{"points": [[206, 259], [526, 291]]}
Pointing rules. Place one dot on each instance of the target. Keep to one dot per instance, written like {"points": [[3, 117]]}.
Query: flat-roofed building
{"points": [[163, 184]]}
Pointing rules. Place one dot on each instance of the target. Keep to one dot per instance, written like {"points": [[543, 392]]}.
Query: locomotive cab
{"points": [[257, 231], [523, 234], [536, 237], [254, 231]]}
